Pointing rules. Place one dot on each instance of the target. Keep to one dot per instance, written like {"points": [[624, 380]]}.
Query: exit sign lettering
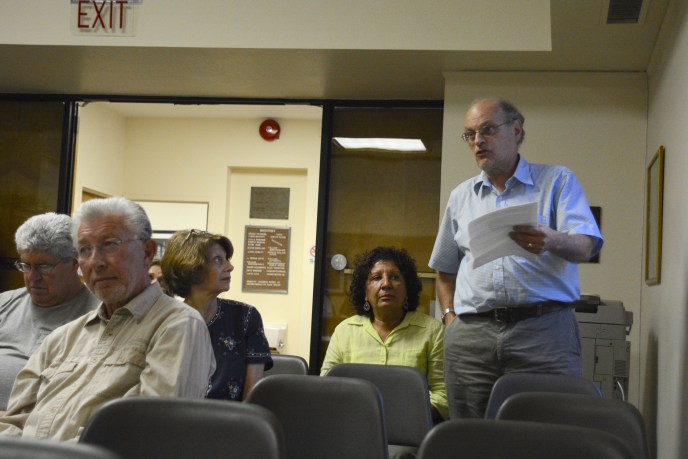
{"points": [[103, 17]]}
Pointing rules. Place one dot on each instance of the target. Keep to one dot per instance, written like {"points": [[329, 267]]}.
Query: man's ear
{"points": [[518, 128], [150, 247]]}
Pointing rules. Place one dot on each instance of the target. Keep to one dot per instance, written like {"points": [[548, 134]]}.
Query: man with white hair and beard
{"points": [[139, 342]]}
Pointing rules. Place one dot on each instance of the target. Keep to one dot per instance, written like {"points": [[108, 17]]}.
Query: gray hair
{"points": [[49, 232], [510, 112], [134, 216]]}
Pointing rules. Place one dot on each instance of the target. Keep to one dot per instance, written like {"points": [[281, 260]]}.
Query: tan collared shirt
{"points": [[153, 346]]}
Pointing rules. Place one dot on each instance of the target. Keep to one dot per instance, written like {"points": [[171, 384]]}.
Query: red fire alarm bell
{"points": [[269, 130]]}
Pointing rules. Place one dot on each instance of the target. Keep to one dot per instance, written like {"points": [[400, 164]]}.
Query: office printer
{"points": [[604, 326]]}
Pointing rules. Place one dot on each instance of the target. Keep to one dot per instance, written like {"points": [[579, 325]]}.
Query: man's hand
{"points": [[541, 238]]}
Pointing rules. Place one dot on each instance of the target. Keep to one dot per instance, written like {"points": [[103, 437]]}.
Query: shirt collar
{"points": [[411, 318], [137, 307], [522, 174]]}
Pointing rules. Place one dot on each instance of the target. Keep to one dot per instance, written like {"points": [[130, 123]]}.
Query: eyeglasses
{"points": [[195, 232], [486, 131], [109, 247], [42, 268]]}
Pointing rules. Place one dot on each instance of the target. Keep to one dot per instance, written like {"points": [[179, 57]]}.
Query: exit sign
{"points": [[114, 18]]}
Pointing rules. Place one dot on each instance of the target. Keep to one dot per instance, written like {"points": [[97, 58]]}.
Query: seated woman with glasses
{"points": [[387, 328], [196, 266]]}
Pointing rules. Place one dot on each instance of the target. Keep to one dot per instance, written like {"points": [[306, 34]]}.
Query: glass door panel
{"points": [[381, 198], [31, 137]]}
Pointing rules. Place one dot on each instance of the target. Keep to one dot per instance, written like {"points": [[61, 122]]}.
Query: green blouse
{"points": [[418, 342]]}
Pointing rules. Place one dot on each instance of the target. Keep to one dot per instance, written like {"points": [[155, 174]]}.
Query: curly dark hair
{"points": [[364, 262]]}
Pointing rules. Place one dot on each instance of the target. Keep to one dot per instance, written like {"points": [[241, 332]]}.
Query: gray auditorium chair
{"points": [[332, 417], [406, 402], [610, 415], [285, 364], [31, 448], [175, 428], [514, 383], [483, 439]]}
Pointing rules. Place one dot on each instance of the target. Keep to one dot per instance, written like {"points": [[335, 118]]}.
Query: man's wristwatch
{"points": [[446, 311]]}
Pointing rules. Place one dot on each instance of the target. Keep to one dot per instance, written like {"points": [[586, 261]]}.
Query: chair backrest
{"points": [[405, 396], [284, 364], [481, 439], [31, 448], [145, 427], [610, 415], [337, 418], [514, 383]]}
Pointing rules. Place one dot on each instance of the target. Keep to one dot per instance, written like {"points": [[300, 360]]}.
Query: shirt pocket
{"points": [[56, 377], [416, 358], [121, 371]]}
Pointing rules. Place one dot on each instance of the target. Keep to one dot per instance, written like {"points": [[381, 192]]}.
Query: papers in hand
{"points": [[488, 235]]}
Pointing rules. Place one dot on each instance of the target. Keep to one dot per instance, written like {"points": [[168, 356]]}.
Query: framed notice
{"points": [[653, 218], [266, 259]]}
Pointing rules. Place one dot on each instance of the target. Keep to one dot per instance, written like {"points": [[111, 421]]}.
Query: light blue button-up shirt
{"points": [[514, 280]]}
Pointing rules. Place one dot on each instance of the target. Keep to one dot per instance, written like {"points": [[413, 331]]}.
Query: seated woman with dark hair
{"points": [[196, 266], [387, 328]]}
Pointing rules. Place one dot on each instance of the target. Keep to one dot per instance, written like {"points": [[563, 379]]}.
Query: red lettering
{"points": [[81, 13], [98, 11], [121, 4], [105, 14]]}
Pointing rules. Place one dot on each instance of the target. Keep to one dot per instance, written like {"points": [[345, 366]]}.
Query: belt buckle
{"points": [[502, 315]]}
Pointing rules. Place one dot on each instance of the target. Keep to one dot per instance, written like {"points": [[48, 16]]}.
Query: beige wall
{"points": [[270, 24], [593, 124], [194, 160], [664, 397], [100, 157]]}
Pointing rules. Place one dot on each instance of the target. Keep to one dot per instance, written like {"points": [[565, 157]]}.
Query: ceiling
{"points": [[581, 42]]}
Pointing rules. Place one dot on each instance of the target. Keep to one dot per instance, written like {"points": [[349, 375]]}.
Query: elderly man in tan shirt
{"points": [[138, 342]]}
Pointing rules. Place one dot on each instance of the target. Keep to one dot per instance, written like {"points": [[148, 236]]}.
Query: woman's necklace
{"points": [[210, 312]]}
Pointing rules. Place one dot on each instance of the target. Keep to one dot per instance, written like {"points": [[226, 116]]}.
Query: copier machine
{"points": [[604, 325]]}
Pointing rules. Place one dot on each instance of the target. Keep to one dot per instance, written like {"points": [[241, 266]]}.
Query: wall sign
{"points": [[266, 259], [269, 202], [112, 18]]}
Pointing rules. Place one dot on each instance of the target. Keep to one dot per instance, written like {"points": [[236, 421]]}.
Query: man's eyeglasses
{"points": [[41, 268], [109, 246], [486, 131]]}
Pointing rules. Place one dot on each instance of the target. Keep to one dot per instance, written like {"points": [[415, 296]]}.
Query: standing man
{"points": [[513, 314], [53, 294], [139, 342]]}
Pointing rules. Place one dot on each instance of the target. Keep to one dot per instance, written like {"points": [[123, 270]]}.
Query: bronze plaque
{"points": [[270, 203], [266, 259]]}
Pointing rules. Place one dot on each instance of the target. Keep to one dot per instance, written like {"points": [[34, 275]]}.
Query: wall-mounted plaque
{"points": [[266, 259], [269, 202]]}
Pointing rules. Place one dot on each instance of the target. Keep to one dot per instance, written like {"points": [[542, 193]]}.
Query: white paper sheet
{"points": [[489, 234]]}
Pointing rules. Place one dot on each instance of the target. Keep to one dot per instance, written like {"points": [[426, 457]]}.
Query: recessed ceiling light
{"points": [[403, 145]]}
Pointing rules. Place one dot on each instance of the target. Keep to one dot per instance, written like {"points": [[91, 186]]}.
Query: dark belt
{"points": [[521, 312]]}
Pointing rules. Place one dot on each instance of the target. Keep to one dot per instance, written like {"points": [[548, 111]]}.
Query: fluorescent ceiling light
{"points": [[405, 145]]}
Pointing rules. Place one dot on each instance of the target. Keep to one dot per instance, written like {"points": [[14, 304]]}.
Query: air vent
{"points": [[624, 11]]}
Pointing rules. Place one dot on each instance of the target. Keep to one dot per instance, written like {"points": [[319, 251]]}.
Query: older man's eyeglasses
{"points": [[41, 268], [486, 131], [108, 246]]}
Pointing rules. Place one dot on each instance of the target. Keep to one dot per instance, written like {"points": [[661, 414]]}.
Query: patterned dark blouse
{"points": [[238, 339]]}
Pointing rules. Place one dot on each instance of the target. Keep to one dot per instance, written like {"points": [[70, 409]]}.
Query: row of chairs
{"points": [[358, 410], [547, 398]]}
